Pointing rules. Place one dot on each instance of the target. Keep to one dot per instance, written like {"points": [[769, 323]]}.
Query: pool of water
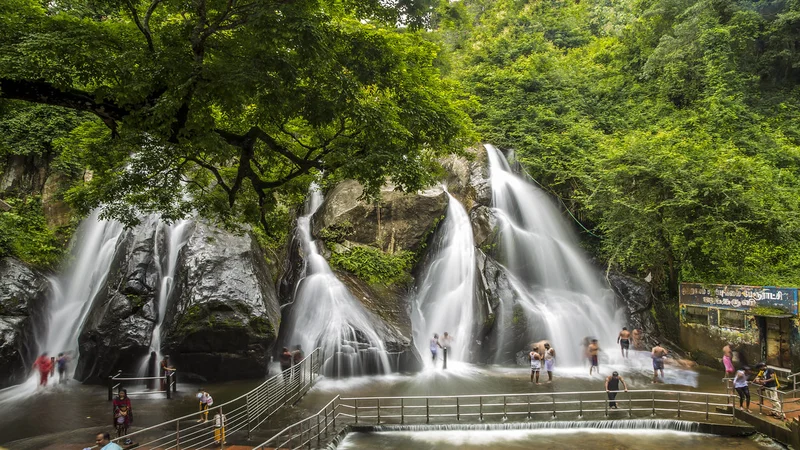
{"points": [[549, 439]]}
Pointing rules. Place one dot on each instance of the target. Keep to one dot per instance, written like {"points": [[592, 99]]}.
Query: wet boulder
{"points": [[118, 331], [227, 312], [634, 296], [23, 297]]}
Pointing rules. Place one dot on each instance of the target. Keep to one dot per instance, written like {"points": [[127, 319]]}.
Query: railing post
{"points": [[554, 404], [110, 388], [580, 405], [505, 408], [706, 406], [402, 412], [427, 410], [319, 434], [166, 383], [529, 406], [630, 405], [356, 408], [480, 408], [606, 403], [458, 410], [654, 402], [379, 411], [679, 404], [247, 411], [178, 434], [174, 381], [335, 404]]}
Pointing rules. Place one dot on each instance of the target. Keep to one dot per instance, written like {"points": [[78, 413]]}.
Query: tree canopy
{"points": [[668, 127], [230, 107]]}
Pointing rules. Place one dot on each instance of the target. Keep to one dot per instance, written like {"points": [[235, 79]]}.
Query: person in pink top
{"points": [[727, 361]]}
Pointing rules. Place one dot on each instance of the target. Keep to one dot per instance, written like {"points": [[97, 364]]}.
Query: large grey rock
{"points": [[398, 221], [23, 298], [635, 297], [119, 328], [227, 313]]}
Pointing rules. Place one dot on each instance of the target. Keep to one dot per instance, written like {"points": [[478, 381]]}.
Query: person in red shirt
{"points": [[43, 364]]}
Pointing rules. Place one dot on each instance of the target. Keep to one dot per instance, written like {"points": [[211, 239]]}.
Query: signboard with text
{"points": [[743, 298]]}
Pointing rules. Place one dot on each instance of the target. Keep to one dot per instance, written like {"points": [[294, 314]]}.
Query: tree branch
{"points": [[145, 31]]}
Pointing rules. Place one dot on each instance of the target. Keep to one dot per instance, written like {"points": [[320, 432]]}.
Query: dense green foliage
{"points": [[231, 107], [26, 236], [668, 127], [373, 265]]}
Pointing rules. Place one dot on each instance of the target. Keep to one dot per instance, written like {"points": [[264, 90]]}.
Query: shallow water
{"points": [[547, 439]]}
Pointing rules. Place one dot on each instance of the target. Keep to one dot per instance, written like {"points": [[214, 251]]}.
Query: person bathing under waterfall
{"points": [[593, 350], [658, 354], [446, 339], [44, 365], [624, 341], [536, 363], [435, 347], [549, 361]]}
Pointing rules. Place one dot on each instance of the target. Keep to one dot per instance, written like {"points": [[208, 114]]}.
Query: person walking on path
{"points": [[205, 402], [624, 341], [285, 359], [612, 388], [43, 365], [727, 361], [769, 379], [219, 428], [122, 412], [593, 350], [536, 364], [103, 440], [742, 388], [435, 345], [658, 353], [165, 369], [549, 361]]}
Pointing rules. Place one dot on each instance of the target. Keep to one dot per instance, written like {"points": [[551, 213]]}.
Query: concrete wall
{"points": [[704, 343]]}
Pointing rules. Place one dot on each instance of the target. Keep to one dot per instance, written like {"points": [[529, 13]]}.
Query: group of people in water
{"points": [[440, 343], [48, 365], [290, 360]]}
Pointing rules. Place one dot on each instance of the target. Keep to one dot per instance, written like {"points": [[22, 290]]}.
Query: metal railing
{"points": [[466, 408], [211, 428], [778, 402], [169, 384]]}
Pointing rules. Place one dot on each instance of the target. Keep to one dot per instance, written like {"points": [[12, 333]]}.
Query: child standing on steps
{"points": [[219, 428]]}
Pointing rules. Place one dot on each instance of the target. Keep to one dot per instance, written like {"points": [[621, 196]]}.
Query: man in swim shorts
{"points": [[658, 354], [624, 341], [593, 351], [549, 361]]}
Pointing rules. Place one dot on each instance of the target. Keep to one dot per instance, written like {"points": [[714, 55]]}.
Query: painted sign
{"points": [[743, 298]]}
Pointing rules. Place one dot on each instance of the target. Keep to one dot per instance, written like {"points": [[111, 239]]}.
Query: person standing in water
{"points": [[61, 362], [446, 339], [612, 388], [536, 364], [285, 359], [593, 350], [624, 341], [727, 361], [43, 365], [549, 361], [435, 347], [658, 354]]}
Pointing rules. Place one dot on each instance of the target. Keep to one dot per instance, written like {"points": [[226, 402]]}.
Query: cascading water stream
{"points": [[324, 313], [445, 298], [176, 236], [558, 292], [72, 295]]}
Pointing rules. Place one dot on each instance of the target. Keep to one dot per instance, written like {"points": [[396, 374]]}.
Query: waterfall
{"points": [[558, 292], [444, 299], [176, 236], [324, 313]]}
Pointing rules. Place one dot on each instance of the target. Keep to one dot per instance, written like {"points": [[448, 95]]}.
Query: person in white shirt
{"points": [[742, 388]]}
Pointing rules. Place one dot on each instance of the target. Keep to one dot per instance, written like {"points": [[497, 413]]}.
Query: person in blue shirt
{"points": [[103, 440]]}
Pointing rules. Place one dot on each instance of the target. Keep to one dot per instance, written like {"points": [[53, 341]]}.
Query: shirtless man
{"points": [[658, 353], [536, 364], [593, 349], [727, 361], [637, 339], [624, 341]]}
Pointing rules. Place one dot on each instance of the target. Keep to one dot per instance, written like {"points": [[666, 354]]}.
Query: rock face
{"points": [[118, 330], [634, 296], [227, 312], [23, 297], [399, 221]]}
